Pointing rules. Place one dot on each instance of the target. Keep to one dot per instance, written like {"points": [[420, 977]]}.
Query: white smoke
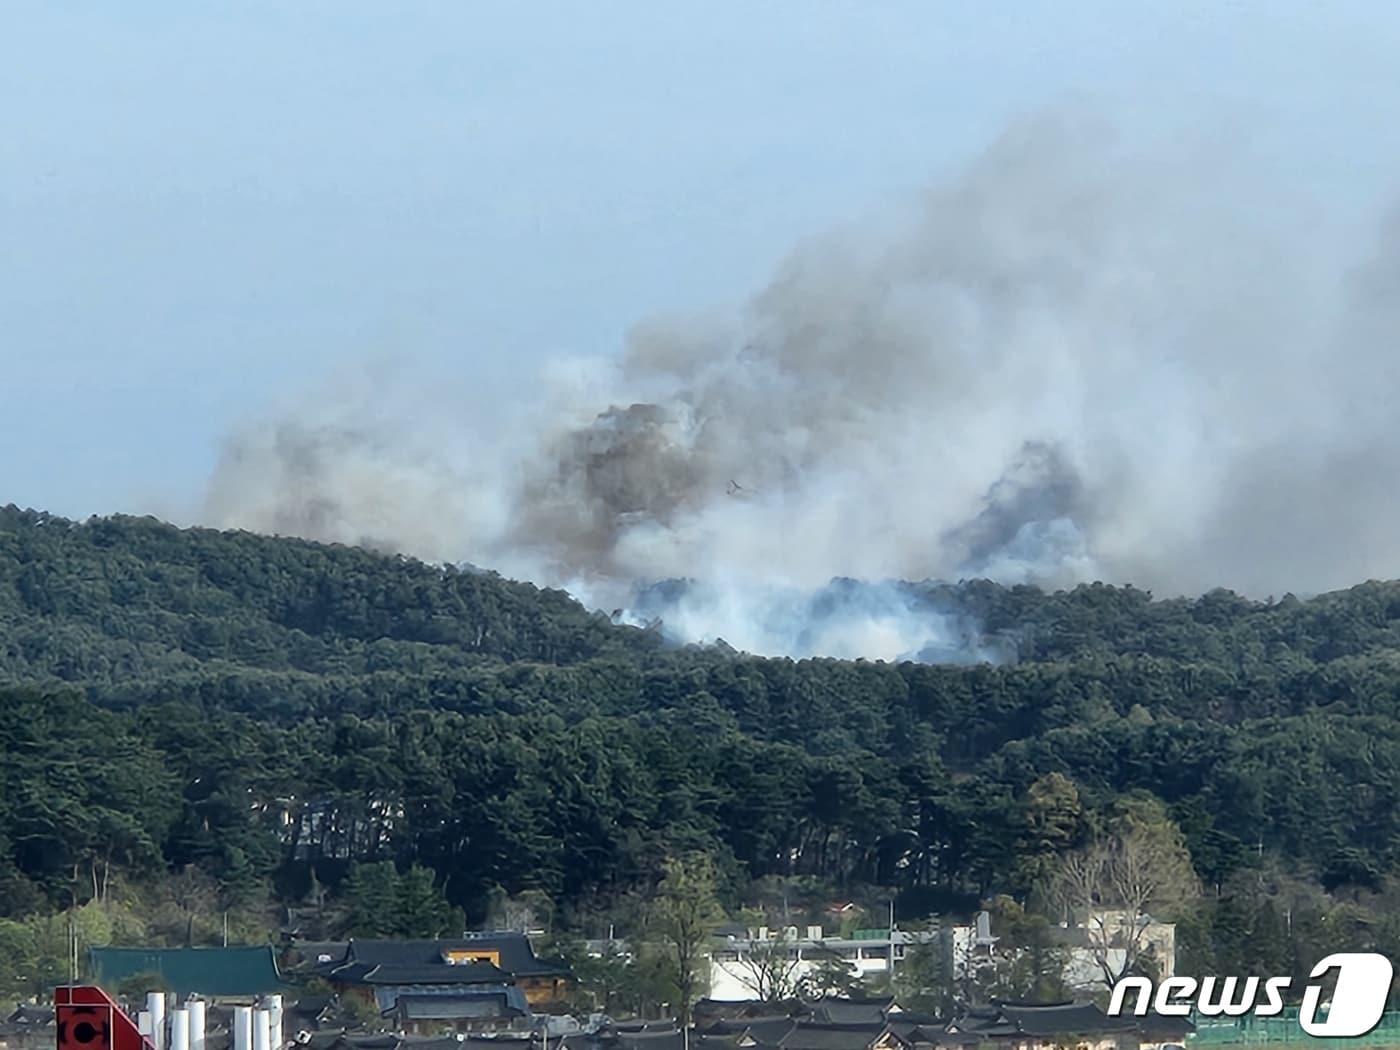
{"points": [[1072, 363]]}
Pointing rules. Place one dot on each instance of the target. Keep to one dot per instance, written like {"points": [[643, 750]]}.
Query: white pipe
{"points": [[198, 1023], [143, 1025], [242, 1028], [179, 1029], [274, 1020], [262, 1030], [155, 1003]]}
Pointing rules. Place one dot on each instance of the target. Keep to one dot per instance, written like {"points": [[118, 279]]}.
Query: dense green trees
{"points": [[273, 715]]}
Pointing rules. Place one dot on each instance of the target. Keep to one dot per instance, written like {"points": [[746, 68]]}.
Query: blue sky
{"points": [[204, 205]]}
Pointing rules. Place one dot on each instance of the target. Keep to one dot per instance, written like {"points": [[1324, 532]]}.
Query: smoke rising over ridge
{"points": [[1070, 363]]}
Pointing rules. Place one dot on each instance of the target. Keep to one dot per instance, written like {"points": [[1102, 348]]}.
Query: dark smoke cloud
{"points": [[1071, 363]]}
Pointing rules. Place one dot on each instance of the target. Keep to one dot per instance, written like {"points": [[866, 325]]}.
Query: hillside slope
{"points": [[262, 709]]}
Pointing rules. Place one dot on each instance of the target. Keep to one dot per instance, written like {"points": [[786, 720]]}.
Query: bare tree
{"points": [[770, 968], [187, 897], [1109, 889]]}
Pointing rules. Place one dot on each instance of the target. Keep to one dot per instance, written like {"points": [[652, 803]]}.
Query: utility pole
{"points": [[891, 945]]}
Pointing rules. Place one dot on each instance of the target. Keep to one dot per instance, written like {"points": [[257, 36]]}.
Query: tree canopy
{"points": [[275, 718]]}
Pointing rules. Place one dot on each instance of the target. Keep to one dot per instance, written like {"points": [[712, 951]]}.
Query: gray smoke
{"points": [[1071, 363]]}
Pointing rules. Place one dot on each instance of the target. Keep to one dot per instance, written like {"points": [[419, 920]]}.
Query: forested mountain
{"points": [[254, 717]]}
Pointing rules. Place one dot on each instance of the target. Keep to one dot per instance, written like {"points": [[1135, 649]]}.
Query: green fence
{"points": [[1284, 1030]]}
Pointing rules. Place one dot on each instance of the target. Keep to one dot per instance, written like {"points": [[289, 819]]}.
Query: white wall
{"points": [[731, 981]]}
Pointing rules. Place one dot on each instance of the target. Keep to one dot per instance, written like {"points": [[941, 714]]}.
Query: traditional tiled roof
{"points": [[674, 1040], [755, 1029], [242, 971], [809, 1036], [31, 1015], [514, 954], [1039, 1019], [496, 1005], [833, 1010], [462, 973]]}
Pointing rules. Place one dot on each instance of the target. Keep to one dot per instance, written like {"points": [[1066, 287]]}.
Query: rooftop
{"points": [[238, 972]]}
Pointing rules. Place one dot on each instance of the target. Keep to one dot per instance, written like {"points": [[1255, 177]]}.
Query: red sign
{"points": [[87, 1019]]}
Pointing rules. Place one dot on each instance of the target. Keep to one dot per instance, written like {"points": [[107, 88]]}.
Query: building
{"points": [[1057, 1026], [482, 982], [835, 1024], [28, 1027], [743, 964], [1102, 941], [492, 1012], [239, 974]]}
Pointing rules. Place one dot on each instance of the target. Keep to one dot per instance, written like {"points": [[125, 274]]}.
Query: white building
{"points": [[742, 966], [1104, 940]]}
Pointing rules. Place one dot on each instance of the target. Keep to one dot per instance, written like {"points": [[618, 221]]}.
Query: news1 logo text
{"points": [[1356, 1005]]}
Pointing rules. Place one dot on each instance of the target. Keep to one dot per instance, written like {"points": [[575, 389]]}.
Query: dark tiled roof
{"points": [[760, 1029], [367, 1041], [673, 1040], [850, 1011], [311, 1007], [1041, 1019], [807, 1036], [1069, 1019], [322, 1040], [457, 1007], [516, 955], [203, 971], [920, 1033], [1164, 1029], [462, 973], [308, 954], [769, 1030], [710, 1010], [728, 1042], [29, 1014]]}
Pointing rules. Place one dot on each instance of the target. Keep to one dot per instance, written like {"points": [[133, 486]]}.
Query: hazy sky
{"points": [[205, 205]]}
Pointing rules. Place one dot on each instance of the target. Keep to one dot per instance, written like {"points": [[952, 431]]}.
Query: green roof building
{"points": [[226, 973]]}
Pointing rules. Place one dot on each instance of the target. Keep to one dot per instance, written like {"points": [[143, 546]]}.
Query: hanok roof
{"points": [[314, 953], [1162, 1028], [229, 972], [750, 1030], [29, 1014], [723, 1009], [476, 973], [674, 1040], [832, 1010], [807, 1036], [319, 1040], [457, 1007], [1039, 1019], [514, 956], [368, 1041]]}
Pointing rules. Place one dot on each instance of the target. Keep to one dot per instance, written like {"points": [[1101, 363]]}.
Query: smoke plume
{"points": [[1071, 363]]}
